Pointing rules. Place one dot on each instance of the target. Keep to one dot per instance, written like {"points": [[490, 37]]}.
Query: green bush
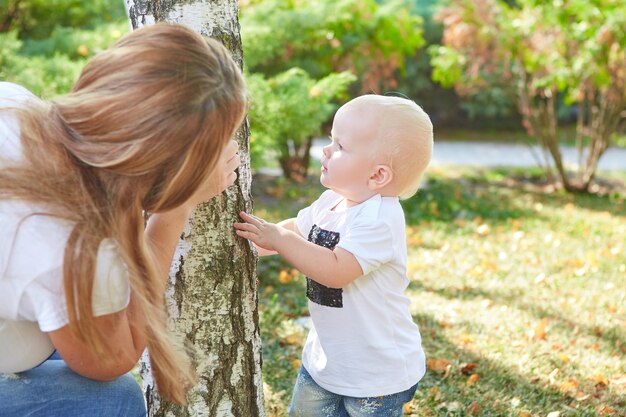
{"points": [[45, 44], [37, 19], [288, 109]]}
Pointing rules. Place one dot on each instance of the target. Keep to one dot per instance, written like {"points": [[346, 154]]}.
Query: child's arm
{"points": [[332, 268]]}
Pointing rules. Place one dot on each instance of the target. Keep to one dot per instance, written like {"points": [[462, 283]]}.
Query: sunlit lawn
{"points": [[519, 291]]}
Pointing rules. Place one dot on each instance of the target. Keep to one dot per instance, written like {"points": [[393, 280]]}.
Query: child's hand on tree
{"points": [[263, 234]]}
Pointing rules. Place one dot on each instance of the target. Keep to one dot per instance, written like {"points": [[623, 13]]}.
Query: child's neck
{"points": [[346, 203]]}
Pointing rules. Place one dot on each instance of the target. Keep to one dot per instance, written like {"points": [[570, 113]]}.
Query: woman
{"points": [[146, 130]]}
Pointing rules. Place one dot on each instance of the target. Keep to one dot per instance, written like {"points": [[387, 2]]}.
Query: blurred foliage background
{"points": [[44, 44], [464, 61], [517, 285]]}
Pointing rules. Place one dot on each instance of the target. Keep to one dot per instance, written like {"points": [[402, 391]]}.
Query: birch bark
{"points": [[212, 297]]}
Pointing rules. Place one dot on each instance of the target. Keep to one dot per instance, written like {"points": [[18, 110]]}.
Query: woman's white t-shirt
{"points": [[32, 244], [363, 342]]}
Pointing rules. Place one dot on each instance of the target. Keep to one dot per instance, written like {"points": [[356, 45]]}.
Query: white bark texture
{"points": [[212, 297]]}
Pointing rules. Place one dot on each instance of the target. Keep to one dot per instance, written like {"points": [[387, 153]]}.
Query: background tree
{"points": [[213, 298], [369, 38], [304, 51], [539, 53], [287, 111]]}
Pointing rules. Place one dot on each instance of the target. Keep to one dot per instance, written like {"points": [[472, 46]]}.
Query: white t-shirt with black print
{"points": [[32, 245], [363, 342]]}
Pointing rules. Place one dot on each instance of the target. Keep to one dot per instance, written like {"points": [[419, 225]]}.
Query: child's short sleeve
{"points": [[370, 243]]}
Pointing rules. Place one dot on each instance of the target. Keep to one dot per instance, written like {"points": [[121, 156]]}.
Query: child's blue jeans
{"points": [[311, 400], [53, 390]]}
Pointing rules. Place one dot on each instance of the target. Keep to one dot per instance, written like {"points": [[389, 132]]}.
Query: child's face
{"points": [[347, 162]]}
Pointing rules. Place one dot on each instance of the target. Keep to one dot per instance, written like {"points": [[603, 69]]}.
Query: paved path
{"points": [[500, 154]]}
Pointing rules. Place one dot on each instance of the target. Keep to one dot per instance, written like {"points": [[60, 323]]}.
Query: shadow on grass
{"points": [[496, 392], [613, 338]]}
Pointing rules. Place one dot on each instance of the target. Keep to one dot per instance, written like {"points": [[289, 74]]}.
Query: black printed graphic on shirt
{"points": [[316, 292]]}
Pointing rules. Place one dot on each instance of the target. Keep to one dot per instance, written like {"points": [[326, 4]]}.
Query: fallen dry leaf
{"points": [[473, 409], [552, 375], [439, 365], [291, 339], [600, 379], [284, 277], [581, 396], [564, 357], [539, 333], [619, 380], [605, 410], [467, 368], [525, 414], [570, 385], [434, 392], [473, 379]]}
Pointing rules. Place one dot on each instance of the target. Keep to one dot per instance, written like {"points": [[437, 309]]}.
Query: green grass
{"points": [[519, 291]]}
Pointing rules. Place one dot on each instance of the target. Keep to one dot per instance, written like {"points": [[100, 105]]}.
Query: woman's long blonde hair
{"points": [[140, 131]]}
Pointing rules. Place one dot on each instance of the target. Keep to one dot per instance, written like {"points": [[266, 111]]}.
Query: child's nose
{"points": [[327, 150]]}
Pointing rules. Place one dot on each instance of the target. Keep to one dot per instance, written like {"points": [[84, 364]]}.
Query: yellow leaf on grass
{"points": [[525, 414], [539, 332], [600, 379], [473, 379], [570, 385], [291, 339], [296, 363], [284, 277], [438, 365], [434, 392], [564, 357]]}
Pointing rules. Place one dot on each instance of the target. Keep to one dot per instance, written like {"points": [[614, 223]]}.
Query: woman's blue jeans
{"points": [[53, 390]]}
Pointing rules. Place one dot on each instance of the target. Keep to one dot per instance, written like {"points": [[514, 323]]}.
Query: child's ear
{"points": [[381, 176]]}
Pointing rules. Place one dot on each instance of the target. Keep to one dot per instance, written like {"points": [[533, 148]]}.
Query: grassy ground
{"points": [[519, 291]]}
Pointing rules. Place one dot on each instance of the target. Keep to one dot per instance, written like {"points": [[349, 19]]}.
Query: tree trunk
{"points": [[604, 117], [212, 297], [295, 160]]}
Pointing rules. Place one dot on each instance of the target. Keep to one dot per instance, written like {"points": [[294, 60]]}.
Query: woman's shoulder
{"points": [[30, 241], [11, 96], [14, 92]]}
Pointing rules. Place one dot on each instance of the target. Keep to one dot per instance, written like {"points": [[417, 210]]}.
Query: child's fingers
{"points": [[249, 218], [246, 235], [246, 227]]}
